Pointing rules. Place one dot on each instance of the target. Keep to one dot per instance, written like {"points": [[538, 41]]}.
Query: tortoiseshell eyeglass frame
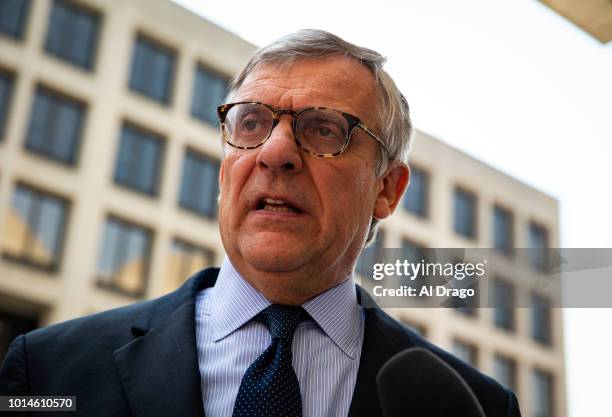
{"points": [[352, 121]]}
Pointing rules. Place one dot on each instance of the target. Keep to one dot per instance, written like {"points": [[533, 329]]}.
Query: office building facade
{"points": [[109, 157]]}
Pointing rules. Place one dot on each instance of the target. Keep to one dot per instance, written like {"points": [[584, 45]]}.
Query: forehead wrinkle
{"points": [[305, 84]]}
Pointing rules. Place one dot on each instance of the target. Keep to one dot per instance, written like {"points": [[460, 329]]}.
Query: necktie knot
{"points": [[282, 320]]}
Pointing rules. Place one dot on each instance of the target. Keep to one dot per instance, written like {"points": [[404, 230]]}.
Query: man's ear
{"points": [[394, 184]]}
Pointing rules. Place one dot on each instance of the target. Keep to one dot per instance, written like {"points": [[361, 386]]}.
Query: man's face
{"points": [[288, 255]]}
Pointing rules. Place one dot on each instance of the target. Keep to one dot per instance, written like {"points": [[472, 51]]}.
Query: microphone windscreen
{"points": [[416, 383]]}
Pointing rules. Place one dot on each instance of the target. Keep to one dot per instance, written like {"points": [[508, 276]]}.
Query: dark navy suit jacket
{"points": [[141, 360]]}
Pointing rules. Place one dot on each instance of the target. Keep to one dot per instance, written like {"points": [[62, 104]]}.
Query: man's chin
{"points": [[278, 255], [273, 261]]}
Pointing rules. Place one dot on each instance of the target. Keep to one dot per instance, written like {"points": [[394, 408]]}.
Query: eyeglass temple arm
{"points": [[372, 135]]}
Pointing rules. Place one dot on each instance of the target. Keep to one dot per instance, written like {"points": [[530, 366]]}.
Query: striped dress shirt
{"points": [[326, 349]]}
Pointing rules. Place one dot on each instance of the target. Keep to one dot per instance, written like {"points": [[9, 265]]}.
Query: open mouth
{"points": [[268, 204]]}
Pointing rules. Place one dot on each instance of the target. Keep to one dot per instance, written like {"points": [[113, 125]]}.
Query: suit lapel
{"points": [[380, 342], [159, 368]]}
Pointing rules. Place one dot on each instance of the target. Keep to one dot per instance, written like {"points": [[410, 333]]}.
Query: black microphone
{"points": [[416, 383]]}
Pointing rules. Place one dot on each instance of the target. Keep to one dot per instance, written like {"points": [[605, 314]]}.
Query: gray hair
{"points": [[393, 112]]}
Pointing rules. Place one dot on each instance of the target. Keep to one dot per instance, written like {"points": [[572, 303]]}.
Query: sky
{"points": [[509, 82]]}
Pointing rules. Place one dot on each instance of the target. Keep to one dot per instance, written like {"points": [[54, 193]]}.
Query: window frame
{"points": [[24, 257], [509, 251], [549, 376], [513, 367], [547, 339], [111, 285], [509, 327], [5, 111], [143, 134], [199, 156], [199, 66], [425, 176], [82, 9], [132, 86], [541, 265], [460, 190], [209, 253], [25, 16], [57, 97]]}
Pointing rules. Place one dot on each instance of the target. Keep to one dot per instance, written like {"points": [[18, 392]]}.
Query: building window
{"points": [[538, 244], [541, 319], [503, 304], [13, 15], [35, 228], [55, 126], [73, 33], [139, 160], [417, 194], [542, 382], [124, 258], [504, 371], [467, 352], [200, 184], [465, 213], [185, 260], [209, 92], [152, 69], [502, 230], [6, 92]]}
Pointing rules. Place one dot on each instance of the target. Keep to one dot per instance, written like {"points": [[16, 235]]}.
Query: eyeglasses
{"points": [[319, 131]]}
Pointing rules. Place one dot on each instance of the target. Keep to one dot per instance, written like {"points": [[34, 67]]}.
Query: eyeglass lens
{"points": [[320, 131]]}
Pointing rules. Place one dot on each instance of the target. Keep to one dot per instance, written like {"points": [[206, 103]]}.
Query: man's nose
{"points": [[281, 152]]}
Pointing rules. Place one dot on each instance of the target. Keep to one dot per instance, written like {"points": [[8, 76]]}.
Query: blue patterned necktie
{"points": [[270, 387]]}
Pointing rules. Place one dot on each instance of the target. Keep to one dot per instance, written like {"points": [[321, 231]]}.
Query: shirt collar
{"points": [[338, 314], [235, 302]]}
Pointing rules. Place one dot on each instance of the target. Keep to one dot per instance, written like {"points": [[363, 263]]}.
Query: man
{"points": [[315, 141]]}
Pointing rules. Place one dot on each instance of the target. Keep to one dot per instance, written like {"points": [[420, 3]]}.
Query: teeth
{"points": [[277, 205], [273, 207]]}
